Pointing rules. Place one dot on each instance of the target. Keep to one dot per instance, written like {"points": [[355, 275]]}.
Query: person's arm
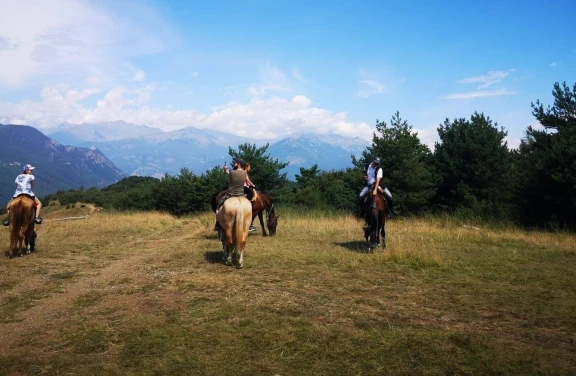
{"points": [[225, 168], [249, 181], [377, 184]]}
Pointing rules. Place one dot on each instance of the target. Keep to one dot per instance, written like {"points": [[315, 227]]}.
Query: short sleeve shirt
{"points": [[24, 185]]}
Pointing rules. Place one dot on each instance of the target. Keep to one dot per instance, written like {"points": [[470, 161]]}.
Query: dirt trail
{"points": [[48, 313]]}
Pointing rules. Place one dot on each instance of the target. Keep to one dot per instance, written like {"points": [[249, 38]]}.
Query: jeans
{"points": [[368, 189]]}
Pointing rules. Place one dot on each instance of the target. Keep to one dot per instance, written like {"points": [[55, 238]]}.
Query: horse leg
{"points": [[240, 263], [383, 230], [262, 223], [20, 243], [229, 246], [13, 245]]}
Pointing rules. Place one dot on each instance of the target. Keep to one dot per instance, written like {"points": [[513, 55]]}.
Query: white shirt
{"points": [[24, 185], [371, 176]]}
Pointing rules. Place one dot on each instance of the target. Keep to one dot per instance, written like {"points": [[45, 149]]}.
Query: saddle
{"points": [[254, 195]]}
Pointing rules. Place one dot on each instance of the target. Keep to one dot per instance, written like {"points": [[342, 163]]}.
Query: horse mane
{"points": [[265, 200], [378, 201]]}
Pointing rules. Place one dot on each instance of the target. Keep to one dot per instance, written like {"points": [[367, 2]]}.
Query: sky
{"points": [[270, 69]]}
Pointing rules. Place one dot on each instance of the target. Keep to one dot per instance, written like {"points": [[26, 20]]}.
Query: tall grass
{"points": [[146, 293]]}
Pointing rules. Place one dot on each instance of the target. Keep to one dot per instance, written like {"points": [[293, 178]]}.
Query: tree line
{"points": [[471, 171]]}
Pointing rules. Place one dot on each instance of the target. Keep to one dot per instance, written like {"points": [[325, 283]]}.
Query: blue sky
{"points": [[268, 69]]}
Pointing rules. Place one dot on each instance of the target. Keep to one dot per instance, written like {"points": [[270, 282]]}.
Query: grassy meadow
{"points": [[148, 294]]}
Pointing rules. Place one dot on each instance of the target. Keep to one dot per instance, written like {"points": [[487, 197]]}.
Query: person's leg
{"points": [[390, 205], [38, 206], [363, 193]]}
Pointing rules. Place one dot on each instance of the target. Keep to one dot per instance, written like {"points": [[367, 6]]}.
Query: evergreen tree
{"points": [[474, 165], [265, 171], [547, 162], [407, 165]]}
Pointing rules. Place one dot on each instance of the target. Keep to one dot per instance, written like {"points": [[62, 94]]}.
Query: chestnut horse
{"points": [[21, 225], [375, 222], [234, 218], [260, 202]]}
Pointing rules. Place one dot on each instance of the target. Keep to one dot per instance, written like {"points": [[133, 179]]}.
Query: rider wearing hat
{"points": [[236, 179], [24, 185], [373, 176]]}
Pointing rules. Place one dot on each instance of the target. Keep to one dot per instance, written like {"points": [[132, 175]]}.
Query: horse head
{"points": [[371, 236], [272, 220]]}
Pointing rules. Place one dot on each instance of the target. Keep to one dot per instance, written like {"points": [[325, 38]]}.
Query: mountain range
{"points": [[88, 155], [145, 151], [58, 166]]}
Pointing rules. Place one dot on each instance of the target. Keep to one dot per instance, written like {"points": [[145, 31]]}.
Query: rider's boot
{"points": [[391, 208], [37, 220], [6, 222], [216, 226]]}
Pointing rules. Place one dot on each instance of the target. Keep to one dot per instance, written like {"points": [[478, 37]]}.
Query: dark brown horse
{"points": [[260, 203], [375, 222], [21, 225]]}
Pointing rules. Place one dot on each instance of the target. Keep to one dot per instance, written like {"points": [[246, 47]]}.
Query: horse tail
{"points": [[17, 214], [239, 226]]}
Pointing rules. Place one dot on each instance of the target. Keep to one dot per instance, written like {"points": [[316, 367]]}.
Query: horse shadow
{"points": [[214, 257], [354, 246]]}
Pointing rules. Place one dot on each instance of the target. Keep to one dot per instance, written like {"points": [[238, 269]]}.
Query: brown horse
{"points": [[21, 225], [375, 222], [260, 203], [234, 217]]}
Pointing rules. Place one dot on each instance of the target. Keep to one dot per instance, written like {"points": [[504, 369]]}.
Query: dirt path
{"points": [[49, 313]]}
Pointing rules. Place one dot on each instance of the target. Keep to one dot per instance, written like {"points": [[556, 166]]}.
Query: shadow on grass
{"points": [[214, 257], [355, 246]]}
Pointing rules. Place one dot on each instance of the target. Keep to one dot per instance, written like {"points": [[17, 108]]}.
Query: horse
{"points": [[234, 217], [260, 202], [21, 225], [375, 222]]}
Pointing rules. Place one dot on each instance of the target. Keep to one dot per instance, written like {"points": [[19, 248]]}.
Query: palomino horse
{"points": [[21, 225], [260, 202], [376, 222], [234, 217]]}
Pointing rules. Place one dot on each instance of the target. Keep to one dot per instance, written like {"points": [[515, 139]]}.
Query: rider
{"points": [[24, 184], [248, 190], [236, 180], [373, 176]]}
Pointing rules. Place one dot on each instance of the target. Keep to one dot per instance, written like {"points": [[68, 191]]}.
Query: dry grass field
{"points": [[148, 294]]}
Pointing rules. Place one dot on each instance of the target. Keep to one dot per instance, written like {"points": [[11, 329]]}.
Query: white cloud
{"points": [[553, 65], [296, 74], [270, 78], [486, 80], [368, 85], [479, 94], [260, 118], [63, 37], [367, 88]]}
